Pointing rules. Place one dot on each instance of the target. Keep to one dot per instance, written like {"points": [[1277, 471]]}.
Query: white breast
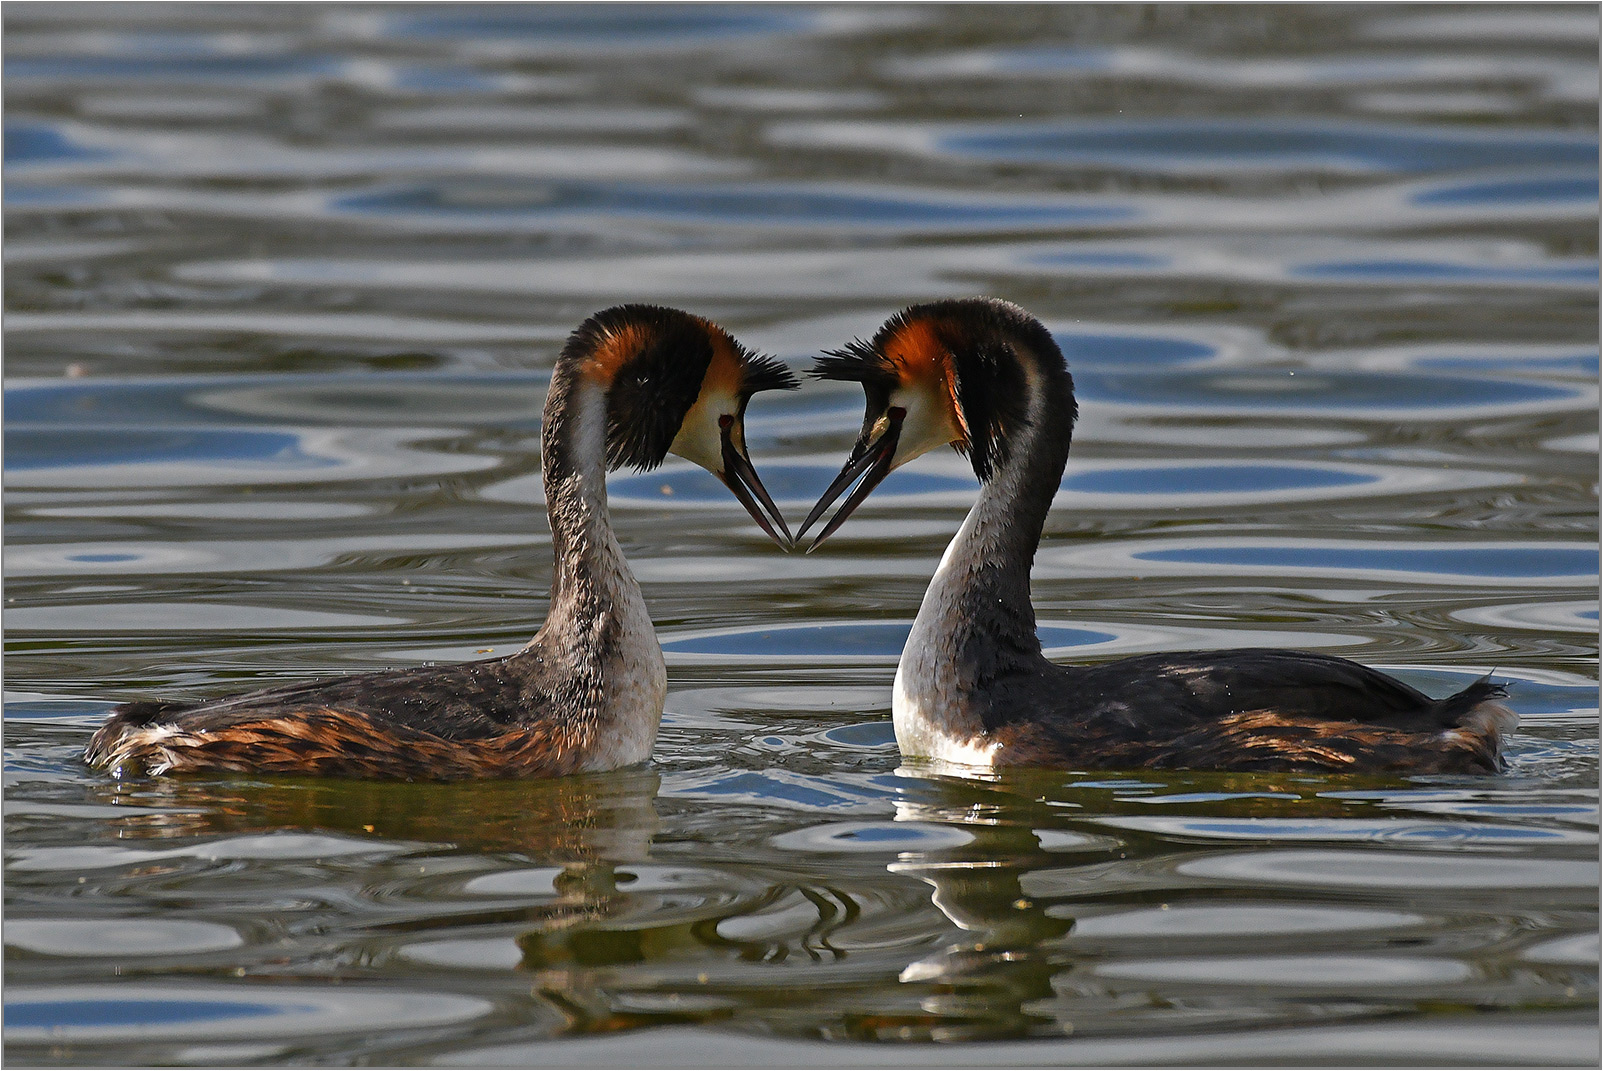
{"points": [[922, 727], [636, 683]]}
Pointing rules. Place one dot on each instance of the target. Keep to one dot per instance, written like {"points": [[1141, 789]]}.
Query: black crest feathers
{"points": [[857, 362], [762, 372]]}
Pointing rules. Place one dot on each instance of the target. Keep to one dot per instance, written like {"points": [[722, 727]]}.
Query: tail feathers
{"points": [[118, 744], [130, 725], [1478, 722], [1459, 705]]}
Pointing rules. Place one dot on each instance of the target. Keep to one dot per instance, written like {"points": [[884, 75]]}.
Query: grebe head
{"points": [[958, 372], [679, 384]]}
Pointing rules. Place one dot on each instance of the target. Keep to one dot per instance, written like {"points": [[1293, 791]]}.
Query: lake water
{"points": [[284, 286]]}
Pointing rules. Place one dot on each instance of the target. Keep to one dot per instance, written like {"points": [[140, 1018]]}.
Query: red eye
{"points": [[725, 420]]}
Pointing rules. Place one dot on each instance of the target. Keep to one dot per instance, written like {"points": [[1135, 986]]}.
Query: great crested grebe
{"points": [[633, 384], [972, 686]]}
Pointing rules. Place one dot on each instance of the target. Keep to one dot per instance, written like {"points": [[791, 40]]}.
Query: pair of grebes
{"points": [[638, 382]]}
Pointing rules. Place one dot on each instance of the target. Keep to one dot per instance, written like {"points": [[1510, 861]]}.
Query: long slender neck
{"points": [[573, 445], [597, 652], [976, 625]]}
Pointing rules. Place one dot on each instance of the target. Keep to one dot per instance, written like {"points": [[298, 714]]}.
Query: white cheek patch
{"points": [[700, 437], [929, 423]]}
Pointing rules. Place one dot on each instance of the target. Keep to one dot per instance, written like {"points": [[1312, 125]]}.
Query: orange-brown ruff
{"points": [[633, 383], [972, 686]]}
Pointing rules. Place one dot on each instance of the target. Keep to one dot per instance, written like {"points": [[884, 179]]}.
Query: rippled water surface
{"points": [[284, 285]]}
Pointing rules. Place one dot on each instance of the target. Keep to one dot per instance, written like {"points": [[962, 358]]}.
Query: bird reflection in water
{"points": [[984, 983], [581, 819], [592, 827], [1042, 857], [685, 945]]}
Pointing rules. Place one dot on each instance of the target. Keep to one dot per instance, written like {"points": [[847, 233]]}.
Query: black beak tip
{"points": [[743, 482], [866, 468]]}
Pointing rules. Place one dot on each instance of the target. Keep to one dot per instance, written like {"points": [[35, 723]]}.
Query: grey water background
{"points": [[283, 288]]}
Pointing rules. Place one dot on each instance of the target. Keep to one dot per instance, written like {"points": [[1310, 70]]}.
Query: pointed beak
{"points": [[742, 481], [871, 464]]}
